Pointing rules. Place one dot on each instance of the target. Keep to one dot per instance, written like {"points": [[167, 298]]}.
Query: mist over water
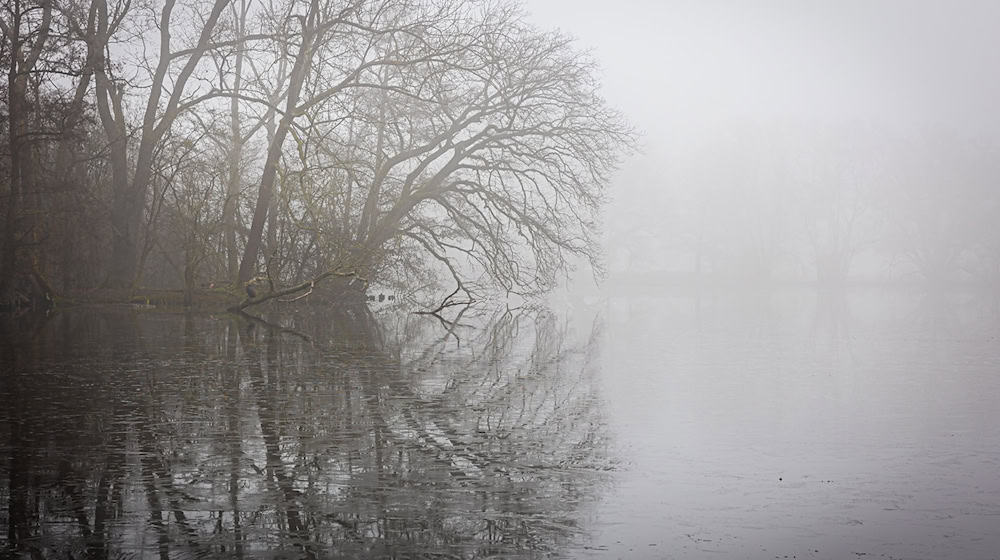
{"points": [[827, 142], [803, 425], [771, 227], [651, 426]]}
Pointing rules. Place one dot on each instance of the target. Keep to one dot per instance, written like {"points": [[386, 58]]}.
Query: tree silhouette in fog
{"points": [[389, 139]]}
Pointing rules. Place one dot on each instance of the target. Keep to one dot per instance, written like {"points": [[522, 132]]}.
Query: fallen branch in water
{"points": [[307, 285], [274, 327]]}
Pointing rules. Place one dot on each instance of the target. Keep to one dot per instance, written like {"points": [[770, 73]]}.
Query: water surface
{"points": [[789, 424], [803, 425], [144, 435]]}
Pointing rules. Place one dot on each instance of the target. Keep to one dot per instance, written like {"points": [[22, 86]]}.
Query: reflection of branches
{"points": [[482, 333], [273, 327], [449, 324], [517, 394], [65, 450], [337, 444], [233, 435], [271, 433], [157, 477]]}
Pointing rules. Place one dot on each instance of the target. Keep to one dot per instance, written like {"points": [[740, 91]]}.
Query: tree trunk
{"points": [[124, 225], [130, 193], [8, 262], [235, 157], [22, 166], [264, 195], [124, 243], [266, 190], [189, 273]]}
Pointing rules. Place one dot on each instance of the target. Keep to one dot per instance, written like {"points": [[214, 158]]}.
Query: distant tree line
{"points": [[168, 143], [830, 204]]}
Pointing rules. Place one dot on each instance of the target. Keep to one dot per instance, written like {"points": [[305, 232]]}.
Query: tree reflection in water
{"points": [[142, 435]]}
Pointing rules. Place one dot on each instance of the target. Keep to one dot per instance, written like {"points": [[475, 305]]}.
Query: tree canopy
{"points": [[414, 142]]}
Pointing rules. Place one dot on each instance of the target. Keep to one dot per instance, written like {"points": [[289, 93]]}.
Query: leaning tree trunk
{"points": [[268, 176]]}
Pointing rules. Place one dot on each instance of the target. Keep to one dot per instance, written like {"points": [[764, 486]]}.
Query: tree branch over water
{"points": [[306, 287]]}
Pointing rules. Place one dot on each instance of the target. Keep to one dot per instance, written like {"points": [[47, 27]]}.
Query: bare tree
{"points": [[486, 152], [931, 206], [26, 27], [837, 182], [317, 22], [235, 159], [167, 97], [399, 138]]}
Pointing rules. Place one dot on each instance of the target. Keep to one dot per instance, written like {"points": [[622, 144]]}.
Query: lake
{"points": [[784, 424]]}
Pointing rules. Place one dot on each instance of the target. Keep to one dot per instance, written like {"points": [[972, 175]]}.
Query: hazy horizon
{"points": [[901, 90]]}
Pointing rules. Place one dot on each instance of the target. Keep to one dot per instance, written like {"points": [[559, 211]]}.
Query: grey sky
{"points": [[714, 85], [676, 66]]}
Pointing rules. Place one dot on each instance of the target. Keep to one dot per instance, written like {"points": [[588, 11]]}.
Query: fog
{"points": [[272, 279], [839, 142], [833, 143]]}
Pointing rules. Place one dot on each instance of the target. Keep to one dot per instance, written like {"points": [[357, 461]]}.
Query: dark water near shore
{"points": [[633, 427], [152, 435]]}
